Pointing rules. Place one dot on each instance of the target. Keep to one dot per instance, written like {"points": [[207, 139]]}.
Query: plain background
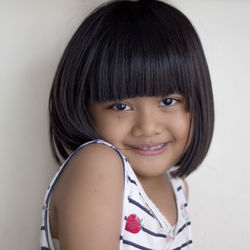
{"points": [[33, 35]]}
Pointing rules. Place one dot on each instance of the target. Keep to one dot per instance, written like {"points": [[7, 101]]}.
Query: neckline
{"points": [[166, 225], [170, 229]]}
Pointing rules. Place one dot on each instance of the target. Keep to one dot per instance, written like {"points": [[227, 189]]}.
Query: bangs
{"points": [[134, 57], [126, 49]]}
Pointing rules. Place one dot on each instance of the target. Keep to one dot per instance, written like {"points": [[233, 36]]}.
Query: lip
{"points": [[150, 149]]}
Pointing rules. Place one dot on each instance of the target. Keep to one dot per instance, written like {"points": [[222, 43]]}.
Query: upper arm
{"points": [[186, 187], [89, 200]]}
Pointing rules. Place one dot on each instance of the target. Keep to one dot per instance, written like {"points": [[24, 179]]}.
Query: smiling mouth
{"points": [[150, 150]]}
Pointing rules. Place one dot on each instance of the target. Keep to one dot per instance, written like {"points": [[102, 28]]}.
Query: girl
{"points": [[131, 111]]}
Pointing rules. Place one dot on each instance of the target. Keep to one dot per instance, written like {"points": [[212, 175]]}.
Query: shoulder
{"points": [[180, 184], [97, 154], [90, 187], [94, 164], [95, 157]]}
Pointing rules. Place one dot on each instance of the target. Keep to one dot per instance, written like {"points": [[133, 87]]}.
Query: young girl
{"points": [[131, 111]]}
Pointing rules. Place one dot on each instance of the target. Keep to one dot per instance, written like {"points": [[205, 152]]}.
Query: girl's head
{"points": [[126, 49]]}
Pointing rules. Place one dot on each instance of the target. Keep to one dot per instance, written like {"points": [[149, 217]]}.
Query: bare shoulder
{"points": [[97, 164], [186, 187], [89, 198]]}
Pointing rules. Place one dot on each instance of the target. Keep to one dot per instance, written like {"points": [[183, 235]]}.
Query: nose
{"points": [[147, 123]]}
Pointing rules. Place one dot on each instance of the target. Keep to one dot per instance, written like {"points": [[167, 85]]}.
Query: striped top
{"points": [[143, 226]]}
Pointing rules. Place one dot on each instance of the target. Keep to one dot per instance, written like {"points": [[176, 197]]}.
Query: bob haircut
{"points": [[125, 49]]}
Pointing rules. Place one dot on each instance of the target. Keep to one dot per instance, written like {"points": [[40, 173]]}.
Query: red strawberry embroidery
{"points": [[133, 224]]}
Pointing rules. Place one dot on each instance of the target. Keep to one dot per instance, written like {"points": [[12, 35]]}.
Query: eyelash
{"points": [[117, 109], [173, 102], [125, 107]]}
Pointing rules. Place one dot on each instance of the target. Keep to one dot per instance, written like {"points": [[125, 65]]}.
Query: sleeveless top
{"points": [[143, 226]]}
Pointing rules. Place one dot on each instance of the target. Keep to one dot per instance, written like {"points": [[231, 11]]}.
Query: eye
{"points": [[121, 107], [168, 102]]}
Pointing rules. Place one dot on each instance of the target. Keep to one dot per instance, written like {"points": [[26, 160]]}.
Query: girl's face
{"points": [[150, 131]]}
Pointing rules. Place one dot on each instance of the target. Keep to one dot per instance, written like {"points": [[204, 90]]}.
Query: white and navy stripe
{"points": [[155, 231]]}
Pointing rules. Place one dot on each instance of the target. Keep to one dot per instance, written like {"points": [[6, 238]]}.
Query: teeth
{"points": [[152, 148]]}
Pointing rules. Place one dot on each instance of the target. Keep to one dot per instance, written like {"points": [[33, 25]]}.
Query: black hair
{"points": [[125, 49]]}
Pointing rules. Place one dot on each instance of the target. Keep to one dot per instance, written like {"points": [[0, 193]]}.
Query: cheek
{"points": [[181, 126], [110, 130]]}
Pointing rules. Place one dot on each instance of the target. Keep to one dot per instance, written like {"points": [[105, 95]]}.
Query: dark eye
{"points": [[121, 107], [168, 102]]}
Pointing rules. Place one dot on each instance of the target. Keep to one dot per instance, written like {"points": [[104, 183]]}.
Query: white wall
{"points": [[33, 35], [219, 195]]}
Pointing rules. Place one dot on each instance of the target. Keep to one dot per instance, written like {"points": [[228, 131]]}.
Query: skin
{"points": [[86, 207], [145, 121], [135, 126]]}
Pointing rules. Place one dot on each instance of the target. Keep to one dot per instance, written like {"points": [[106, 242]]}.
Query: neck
{"points": [[153, 184]]}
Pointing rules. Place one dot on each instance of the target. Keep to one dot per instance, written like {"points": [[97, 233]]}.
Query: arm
{"points": [[89, 200]]}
